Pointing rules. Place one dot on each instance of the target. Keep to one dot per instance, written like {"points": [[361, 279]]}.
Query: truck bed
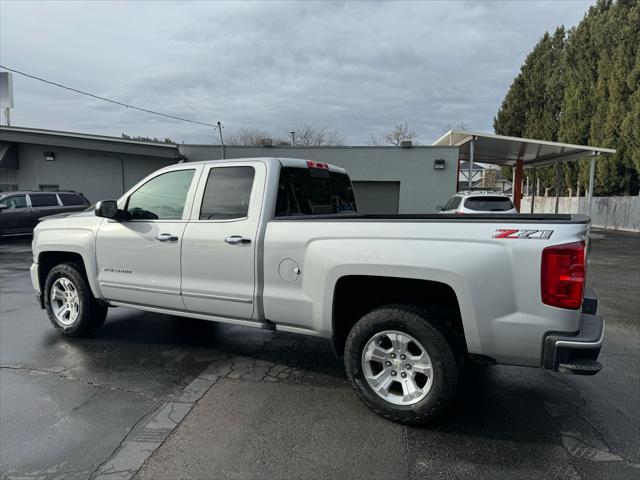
{"points": [[437, 218]]}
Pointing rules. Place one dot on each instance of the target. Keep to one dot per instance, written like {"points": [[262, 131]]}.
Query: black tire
{"points": [[415, 322], [91, 314]]}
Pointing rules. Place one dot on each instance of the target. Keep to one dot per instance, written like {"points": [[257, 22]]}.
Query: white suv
{"points": [[478, 202]]}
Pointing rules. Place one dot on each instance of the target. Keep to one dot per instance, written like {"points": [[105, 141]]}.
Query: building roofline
{"points": [[84, 136], [101, 143]]}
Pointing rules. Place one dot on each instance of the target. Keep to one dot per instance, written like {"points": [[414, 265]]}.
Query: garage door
{"points": [[377, 197]]}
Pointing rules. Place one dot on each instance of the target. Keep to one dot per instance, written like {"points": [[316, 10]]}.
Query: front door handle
{"points": [[166, 237], [237, 240]]}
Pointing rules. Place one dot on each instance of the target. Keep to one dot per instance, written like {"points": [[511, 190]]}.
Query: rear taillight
{"points": [[312, 164], [563, 275]]}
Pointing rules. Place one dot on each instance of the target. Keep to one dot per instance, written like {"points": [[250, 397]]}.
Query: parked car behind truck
{"points": [[278, 244], [21, 211], [478, 201]]}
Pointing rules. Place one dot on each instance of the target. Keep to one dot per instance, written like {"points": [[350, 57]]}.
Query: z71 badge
{"points": [[523, 234]]}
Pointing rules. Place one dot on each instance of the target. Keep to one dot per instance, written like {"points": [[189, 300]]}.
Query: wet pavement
{"points": [[168, 397]]}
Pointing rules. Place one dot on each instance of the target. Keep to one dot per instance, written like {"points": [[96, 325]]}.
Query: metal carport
{"points": [[520, 153]]}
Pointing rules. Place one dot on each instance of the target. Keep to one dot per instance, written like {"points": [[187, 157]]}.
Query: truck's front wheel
{"points": [[401, 365], [71, 307]]}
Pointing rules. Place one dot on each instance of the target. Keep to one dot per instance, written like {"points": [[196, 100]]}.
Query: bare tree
{"points": [[460, 127], [310, 136], [247, 137], [400, 133]]}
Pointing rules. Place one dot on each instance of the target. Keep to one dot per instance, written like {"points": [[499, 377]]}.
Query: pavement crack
{"points": [[152, 430], [120, 444], [63, 373]]}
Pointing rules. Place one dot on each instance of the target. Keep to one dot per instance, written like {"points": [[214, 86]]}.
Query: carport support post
{"points": [[592, 173], [517, 184], [557, 186], [533, 187], [471, 153]]}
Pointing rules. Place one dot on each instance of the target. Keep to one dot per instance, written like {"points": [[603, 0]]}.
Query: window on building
{"points": [[49, 187], [43, 199], [8, 187], [227, 193], [161, 198]]}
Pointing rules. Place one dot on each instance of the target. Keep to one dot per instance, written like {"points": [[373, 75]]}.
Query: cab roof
{"points": [[285, 162]]}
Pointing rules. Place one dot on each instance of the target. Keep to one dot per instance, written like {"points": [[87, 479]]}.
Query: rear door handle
{"points": [[237, 240], [166, 237]]}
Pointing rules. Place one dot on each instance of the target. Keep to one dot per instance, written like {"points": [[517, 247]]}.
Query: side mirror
{"points": [[107, 209], [439, 208], [3, 206]]}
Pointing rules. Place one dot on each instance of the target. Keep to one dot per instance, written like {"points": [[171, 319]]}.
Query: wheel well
{"points": [[48, 260], [357, 295]]}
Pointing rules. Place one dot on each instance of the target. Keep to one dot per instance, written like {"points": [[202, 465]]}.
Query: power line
{"points": [[122, 104]]}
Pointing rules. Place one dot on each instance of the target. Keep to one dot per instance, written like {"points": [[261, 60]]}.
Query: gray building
{"points": [[386, 179], [98, 166]]}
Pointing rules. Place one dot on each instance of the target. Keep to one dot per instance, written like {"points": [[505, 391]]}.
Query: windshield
{"points": [[313, 191], [488, 204]]}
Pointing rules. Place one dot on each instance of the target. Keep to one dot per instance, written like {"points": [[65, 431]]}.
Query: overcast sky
{"points": [[358, 67]]}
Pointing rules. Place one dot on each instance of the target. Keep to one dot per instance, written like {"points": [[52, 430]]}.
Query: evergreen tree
{"points": [[582, 87]]}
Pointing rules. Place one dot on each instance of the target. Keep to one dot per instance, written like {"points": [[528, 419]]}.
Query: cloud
{"points": [[359, 67]]}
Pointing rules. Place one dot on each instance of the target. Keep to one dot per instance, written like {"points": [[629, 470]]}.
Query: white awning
{"points": [[503, 150]]}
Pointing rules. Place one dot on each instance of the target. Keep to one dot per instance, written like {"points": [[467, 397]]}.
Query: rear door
{"points": [[44, 204], [220, 245]]}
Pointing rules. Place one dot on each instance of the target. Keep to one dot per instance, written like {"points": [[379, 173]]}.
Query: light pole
{"points": [[221, 141]]}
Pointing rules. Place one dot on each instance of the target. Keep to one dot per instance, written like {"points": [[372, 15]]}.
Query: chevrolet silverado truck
{"points": [[276, 243]]}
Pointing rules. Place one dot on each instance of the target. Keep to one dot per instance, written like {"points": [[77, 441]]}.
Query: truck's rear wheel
{"points": [[71, 307], [402, 367]]}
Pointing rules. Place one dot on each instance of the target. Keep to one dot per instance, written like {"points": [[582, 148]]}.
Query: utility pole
{"points": [[221, 141], [293, 138]]}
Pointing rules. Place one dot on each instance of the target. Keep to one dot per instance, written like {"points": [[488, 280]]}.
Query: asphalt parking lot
{"points": [[156, 397]]}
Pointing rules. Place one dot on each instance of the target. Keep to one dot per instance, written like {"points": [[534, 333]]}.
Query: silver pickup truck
{"points": [[278, 244]]}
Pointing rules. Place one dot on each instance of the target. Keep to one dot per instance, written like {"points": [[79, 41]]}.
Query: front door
{"points": [[17, 216], [219, 247], [139, 257]]}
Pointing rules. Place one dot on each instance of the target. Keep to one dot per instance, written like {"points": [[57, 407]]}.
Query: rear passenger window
{"points": [[227, 193], [44, 200], [69, 199]]}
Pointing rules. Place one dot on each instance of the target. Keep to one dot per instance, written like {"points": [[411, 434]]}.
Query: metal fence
{"points": [[615, 213]]}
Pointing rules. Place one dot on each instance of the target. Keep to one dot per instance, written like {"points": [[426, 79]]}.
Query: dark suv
{"points": [[20, 211]]}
